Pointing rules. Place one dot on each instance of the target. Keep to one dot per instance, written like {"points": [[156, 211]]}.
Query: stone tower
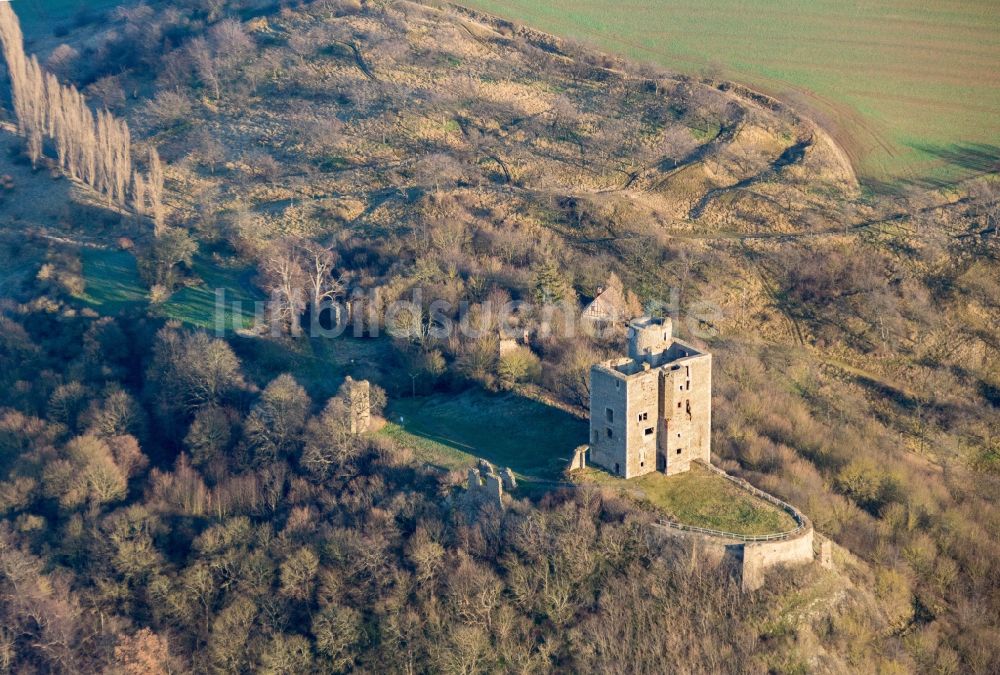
{"points": [[648, 338], [651, 411], [359, 404]]}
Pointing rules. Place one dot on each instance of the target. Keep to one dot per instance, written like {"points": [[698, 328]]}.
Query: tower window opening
{"points": [[610, 414], [649, 431]]}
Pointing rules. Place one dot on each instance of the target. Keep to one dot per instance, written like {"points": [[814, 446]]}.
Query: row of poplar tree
{"points": [[93, 149]]}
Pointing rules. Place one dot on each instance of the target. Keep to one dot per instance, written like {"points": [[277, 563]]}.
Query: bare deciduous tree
{"points": [[230, 42], [319, 263], [139, 193], [204, 65], [285, 273], [154, 188]]}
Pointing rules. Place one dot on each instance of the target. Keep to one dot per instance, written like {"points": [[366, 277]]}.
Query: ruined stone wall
{"points": [[487, 484], [712, 551], [752, 556], [701, 407], [579, 459], [674, 441], [486, 487], [750, 560]]}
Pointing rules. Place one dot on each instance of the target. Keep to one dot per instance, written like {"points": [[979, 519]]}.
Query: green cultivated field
{"points": [[910, 88], [41, 17]]}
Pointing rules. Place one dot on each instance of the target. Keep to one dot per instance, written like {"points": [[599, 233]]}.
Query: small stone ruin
{"points": [[487, 483], [579, 459]]}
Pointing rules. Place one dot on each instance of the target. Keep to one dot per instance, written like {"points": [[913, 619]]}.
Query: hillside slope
{"points": [[465, 159]]}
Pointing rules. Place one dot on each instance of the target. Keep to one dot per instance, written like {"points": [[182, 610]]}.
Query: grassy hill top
{"points": [[856, 362]]}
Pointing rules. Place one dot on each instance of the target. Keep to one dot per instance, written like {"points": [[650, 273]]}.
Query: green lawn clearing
{"points": [[112, 281], [429, 451], [199, 306], [533, 439], [113, 284]]}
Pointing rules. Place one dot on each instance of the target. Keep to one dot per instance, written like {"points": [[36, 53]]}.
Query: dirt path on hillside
{"points": [[853, 228], [765, 279], [790, 156]]}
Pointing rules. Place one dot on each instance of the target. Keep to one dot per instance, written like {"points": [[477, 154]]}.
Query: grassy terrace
{"points": [[536, 441], [700, 498]]}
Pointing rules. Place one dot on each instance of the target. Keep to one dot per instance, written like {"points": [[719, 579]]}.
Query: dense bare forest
{"points": [[175, 501]]}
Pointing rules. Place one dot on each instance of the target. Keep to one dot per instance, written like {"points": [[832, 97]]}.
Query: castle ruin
{"points": [[651, 411], [487, 484], [359, 404]]}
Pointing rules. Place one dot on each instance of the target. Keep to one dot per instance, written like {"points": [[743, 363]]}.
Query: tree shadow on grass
{"points": [[957, 161]]}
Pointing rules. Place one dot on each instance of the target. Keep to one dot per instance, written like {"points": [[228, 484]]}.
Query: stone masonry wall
{"points": [[641, 414], [758, 557], [653, 410], [685, 433], [607, 390]]}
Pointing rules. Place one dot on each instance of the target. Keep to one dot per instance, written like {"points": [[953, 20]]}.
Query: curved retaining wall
{"points": [[753, 554], [759, 556]]}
